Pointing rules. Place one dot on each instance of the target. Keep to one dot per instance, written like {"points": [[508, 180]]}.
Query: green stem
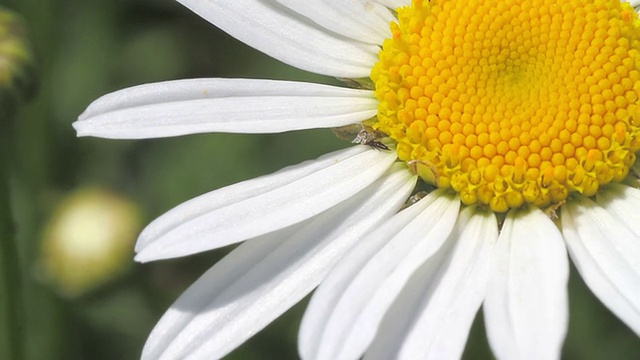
{"points": [[11, 308]]}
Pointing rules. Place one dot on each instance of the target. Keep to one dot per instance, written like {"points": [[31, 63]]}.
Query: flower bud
{"points": [[89, 240], [16, 61]]}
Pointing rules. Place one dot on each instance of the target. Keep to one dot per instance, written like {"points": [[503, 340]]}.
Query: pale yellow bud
{"points": [[89, 240]]}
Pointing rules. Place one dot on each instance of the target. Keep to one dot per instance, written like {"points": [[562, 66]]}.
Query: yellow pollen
{"points": [[510, 102]]}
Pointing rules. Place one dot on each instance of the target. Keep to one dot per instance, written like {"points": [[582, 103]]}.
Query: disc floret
{"points": [[513, 102]]}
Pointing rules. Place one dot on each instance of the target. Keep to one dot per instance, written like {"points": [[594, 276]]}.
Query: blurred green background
{"points": [[84, 49]]}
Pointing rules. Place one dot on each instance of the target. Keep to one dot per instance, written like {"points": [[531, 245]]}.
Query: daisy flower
{"points": [[496, 140]]}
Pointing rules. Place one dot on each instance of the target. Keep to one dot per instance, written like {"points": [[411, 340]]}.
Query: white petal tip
{"points": [[78, 127], [86, 128], [143, 258]]}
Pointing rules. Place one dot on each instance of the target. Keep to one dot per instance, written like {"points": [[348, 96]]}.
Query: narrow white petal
{"points": [[345, 311], [231, 194], [181, 107], [209, 88], [606, 254], [288, 37], [260, 206], [526, 308], [263, 277], [361, 20], [623, 204], [329, 293], [432, 316]]}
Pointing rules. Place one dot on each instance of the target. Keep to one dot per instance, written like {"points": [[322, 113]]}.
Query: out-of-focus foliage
{"points": [[84, 49]]}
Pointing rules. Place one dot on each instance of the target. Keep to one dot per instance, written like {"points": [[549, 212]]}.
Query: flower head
{"points": [[520, 121]]}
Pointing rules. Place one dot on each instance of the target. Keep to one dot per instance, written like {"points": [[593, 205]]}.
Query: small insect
{"points": [[366, 137], [552, 210], [363, 135]]}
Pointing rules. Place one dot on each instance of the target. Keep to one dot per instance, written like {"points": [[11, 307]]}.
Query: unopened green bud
{"points": [[16, 61], [89, 240]]}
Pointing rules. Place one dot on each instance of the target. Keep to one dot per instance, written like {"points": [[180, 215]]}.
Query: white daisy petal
{"points": [[526, 307], [606, 253], [371, 25], [263, 277], [238, 192], [326, 297], [622, 202], [433, 315], [174, 108], [345, 311], [244, 213], [288, 37]]}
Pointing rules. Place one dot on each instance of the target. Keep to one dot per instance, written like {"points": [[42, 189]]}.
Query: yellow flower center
{"points": [[510, 102]]}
